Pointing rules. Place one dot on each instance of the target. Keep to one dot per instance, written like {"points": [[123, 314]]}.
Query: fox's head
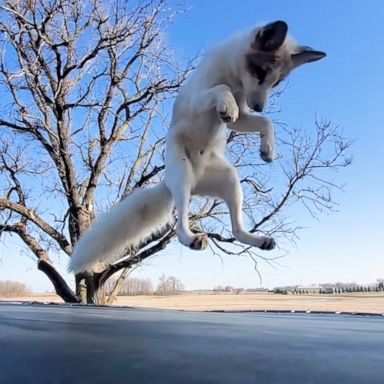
{"points": [[271, 56]]}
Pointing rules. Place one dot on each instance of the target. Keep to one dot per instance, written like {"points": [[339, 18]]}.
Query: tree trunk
{"points": [[89, 290]]}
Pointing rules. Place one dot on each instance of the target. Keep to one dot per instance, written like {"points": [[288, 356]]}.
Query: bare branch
{"points": [[34, 218]]}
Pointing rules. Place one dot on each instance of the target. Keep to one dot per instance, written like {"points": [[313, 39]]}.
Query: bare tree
{"points": [[162, 285], [169, 285], [83, 83], [85, 93], [176, 286]]}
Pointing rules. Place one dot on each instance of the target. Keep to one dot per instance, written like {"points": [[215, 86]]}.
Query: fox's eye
{"points": [[258, 72], [255, 69]]}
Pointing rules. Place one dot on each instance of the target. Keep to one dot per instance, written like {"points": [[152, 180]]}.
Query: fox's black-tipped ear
{"points": [[271, 37], [306, 55]]}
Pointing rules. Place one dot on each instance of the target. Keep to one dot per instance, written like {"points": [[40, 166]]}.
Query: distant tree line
{"points": [[10, 288], [130, 286], [231, 289], [170, 285], [332, 288], [133, 286]]}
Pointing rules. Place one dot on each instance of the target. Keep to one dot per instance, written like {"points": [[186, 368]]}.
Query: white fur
{"points": [[126, 224], [215, 97]]}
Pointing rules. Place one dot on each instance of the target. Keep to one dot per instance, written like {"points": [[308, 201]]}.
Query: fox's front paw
{"points": [[267, 243], [199, 242], [267, 151], [267, 144], [227, 109]]}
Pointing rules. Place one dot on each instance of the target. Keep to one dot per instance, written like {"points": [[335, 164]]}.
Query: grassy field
{"points": [[208, 301]]}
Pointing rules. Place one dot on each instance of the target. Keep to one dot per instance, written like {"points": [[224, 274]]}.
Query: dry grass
{"points": [[206, 301]]}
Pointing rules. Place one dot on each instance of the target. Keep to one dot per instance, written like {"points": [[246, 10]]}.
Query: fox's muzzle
{"points": [[258, 107]]}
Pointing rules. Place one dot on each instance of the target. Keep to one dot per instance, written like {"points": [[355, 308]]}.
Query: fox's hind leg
{"points": [[179, 179], [221, 180]]}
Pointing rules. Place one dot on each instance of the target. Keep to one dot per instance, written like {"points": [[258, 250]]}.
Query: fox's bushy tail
{"points": [[128, 223]]}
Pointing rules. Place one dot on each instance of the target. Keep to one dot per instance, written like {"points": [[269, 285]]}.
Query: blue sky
{"points": [[346, 87]]}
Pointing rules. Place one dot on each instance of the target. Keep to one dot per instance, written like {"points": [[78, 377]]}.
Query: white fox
{"points": [[234, 77]]}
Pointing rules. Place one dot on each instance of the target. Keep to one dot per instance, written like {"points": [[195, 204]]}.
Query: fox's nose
{"points": [[258, 107]]}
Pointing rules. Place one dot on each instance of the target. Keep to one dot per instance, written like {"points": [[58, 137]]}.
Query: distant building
{"points": [[313, 288], [293, 289], [257, 290], [284, 290], [328, 288], [280, 290]]}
